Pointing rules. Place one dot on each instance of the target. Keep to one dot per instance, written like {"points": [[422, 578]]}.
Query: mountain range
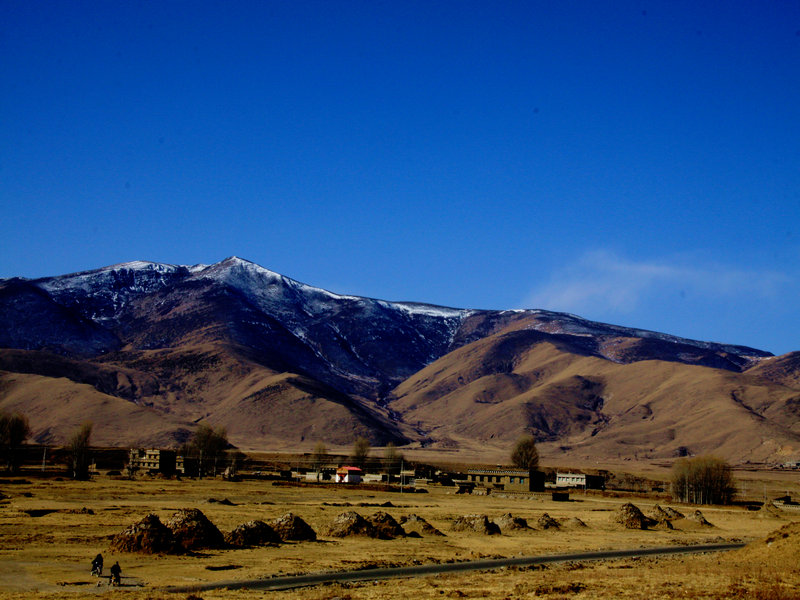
{"points": [[147, 350]]}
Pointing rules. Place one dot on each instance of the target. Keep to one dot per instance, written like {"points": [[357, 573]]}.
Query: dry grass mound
{"points": [[572, 523], [148, 536], [547, 522], [351, 523], [192, 530], [673, 514], [414, 524], [699, 518], [290, 527], [252, 533], [779, 549], [629, 516], [386, 526], [476, 523], [509, 521]]}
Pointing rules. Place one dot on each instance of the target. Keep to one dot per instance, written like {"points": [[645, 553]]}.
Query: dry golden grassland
{"points": [[48, 556]]}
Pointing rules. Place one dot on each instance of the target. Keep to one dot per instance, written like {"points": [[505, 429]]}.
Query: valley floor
{"points": [[50, 530]]}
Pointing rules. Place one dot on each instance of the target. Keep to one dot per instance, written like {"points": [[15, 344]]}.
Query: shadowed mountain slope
{"points": [[282, 364]]}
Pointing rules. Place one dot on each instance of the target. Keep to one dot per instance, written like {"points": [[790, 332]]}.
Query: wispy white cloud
{"points": [[602, 281]]}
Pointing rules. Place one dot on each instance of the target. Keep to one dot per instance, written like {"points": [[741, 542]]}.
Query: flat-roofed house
{"points": [[348, 475], [519, 480]]}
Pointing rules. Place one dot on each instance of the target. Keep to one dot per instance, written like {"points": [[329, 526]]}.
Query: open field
{"points": [[47, 555]]}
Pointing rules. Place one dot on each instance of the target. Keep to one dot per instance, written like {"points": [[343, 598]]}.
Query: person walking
{"points": [[116, 573]]}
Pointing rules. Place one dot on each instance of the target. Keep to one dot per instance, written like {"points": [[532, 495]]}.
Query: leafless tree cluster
{"points": [[14, 430], [702, 480]]}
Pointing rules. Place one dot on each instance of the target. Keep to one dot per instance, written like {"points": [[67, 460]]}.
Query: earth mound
{"points": [[699, 518], [508, 521], [386, 526], [148, 536], [351, 523], [673, 514], [290, 527], [630, 517], [547, 522], [573, 523], [778, 549], [416, 524], [252, 533], [192, 530], [661, 517], [477, 523]]}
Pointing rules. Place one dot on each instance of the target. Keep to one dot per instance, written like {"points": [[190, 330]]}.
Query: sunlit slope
{"points": [[514, 382]]}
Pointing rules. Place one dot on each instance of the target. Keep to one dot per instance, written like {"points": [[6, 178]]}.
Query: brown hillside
{"points": [[492, 391]]}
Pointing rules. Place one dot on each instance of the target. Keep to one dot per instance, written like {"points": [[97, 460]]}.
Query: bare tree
{"points": [[392, 458], [14, 430], [703, 480], [78, 448], [318, 457], [208, 446], [361, 448], [524, 455]]}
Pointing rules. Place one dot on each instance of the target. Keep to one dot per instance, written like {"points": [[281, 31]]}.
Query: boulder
{"points": [[192, 530], [148, 536], [252, 533], [476, 523], [290, 527]]}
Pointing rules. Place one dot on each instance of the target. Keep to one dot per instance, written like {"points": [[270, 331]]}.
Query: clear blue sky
{"points": [[632, 162]]}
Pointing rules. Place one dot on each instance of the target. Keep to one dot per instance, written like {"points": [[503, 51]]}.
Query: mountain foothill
{"points": [[146, 351]]}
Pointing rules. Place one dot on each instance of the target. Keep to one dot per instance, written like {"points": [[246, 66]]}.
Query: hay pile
{"points": [[547, 522], [630, 517], [252, 533], [290, 527], [351, 523], [414, 524], [476, 523], [572, 523], [148, 536], [699, 518], [192, 530], [386, 526], [508, 521]]}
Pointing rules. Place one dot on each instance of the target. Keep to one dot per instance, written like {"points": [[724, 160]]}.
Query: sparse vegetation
{"points": [[703, 480]]}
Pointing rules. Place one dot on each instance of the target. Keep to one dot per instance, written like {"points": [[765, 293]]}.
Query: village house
{"points": [[518, 480], [348, 475], [152, 460], [579, 480]]}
